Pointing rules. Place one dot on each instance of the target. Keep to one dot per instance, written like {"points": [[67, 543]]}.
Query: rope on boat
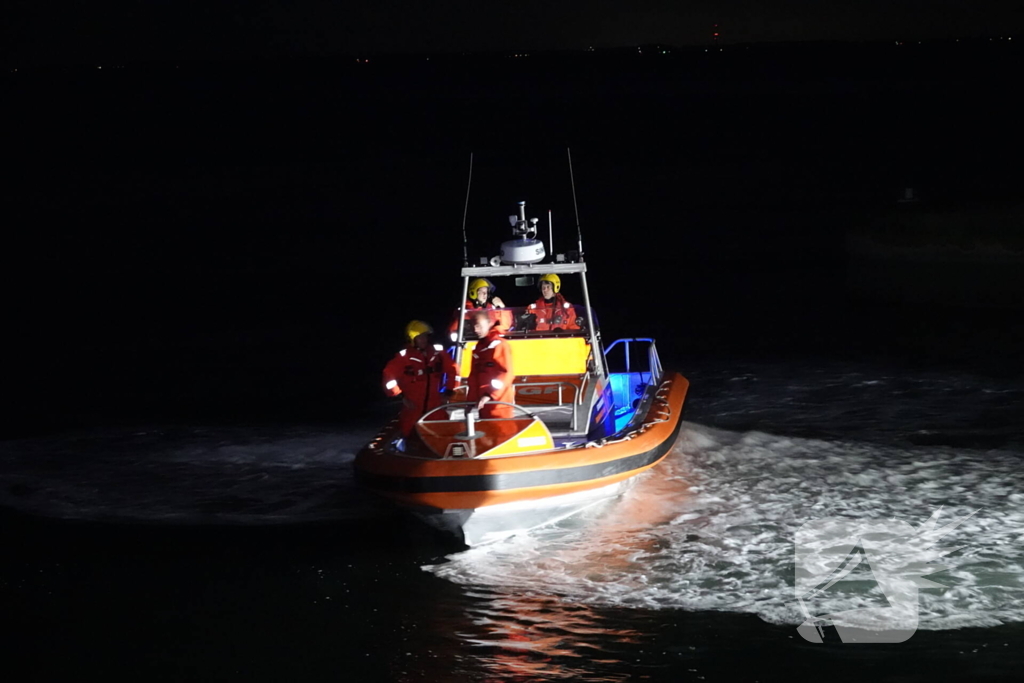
{"points": [[663, 414]]}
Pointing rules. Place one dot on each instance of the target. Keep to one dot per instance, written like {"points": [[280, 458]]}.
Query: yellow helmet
{"points": [[555, 281], [416, 328], [476, 284]]}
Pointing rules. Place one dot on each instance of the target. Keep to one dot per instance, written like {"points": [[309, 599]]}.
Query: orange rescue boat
{"points": [[585, 419]]}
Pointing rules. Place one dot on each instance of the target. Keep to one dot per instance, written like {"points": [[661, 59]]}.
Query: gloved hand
{"points": [[526, 321]]}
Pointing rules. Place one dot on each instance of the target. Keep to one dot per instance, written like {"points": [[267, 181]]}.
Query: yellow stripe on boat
{"points": [[547, 356], [534, 439]]}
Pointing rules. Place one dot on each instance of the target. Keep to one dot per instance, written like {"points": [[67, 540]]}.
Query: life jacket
{"points": [[492, 374], [502, 318], [554, 314], [421, 378]]}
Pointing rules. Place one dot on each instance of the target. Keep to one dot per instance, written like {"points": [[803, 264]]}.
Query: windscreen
{"points": [[560, 319]]}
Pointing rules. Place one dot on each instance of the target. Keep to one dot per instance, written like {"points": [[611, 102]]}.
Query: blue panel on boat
{"points": [[628, 388]]}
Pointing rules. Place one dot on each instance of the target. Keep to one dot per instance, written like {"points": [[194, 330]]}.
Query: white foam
{"points": [[713, 528]]}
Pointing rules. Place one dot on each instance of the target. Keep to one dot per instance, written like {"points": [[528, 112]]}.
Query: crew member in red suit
{"points": [[422, 373], [480, 296], [491, 375], [552, 310]]}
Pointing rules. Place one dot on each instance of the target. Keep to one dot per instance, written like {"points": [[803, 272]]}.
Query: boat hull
{"points": [[455, 494], [494, 522]]}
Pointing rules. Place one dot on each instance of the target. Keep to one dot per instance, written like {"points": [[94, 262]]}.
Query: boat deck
{"points": [[558, 419]]}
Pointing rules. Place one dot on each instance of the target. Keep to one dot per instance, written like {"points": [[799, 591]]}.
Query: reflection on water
{"points": [[536, 637], [522, 635]]}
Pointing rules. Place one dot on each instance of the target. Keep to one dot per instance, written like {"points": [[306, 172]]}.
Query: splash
{"points": [[713, 528], [893, 557]]}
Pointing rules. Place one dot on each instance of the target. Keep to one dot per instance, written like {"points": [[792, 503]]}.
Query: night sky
{"points": [[132, 30]]}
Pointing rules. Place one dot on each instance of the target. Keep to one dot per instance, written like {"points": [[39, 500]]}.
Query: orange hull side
{"points": [[468, 484]]}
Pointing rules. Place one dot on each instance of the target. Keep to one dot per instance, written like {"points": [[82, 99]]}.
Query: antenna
{"points": [[551, 235], [469, 183], [579, 234]]}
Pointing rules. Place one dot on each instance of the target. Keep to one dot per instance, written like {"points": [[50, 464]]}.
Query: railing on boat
{"points": [[580, 389], [531, 434]]}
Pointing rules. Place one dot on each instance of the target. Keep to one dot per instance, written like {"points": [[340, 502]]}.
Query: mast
{"points": [[579, 233], [551, 235], [459, 343], [595, 336], [469, 184]]}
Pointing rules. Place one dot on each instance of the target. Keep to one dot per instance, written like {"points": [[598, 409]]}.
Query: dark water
{"points": [[209, 265], [331, 602]]}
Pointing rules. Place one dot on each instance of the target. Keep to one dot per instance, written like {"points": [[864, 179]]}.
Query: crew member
{"points": [[491, 375], [480, 296], [423, 373], [552, 310]]}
